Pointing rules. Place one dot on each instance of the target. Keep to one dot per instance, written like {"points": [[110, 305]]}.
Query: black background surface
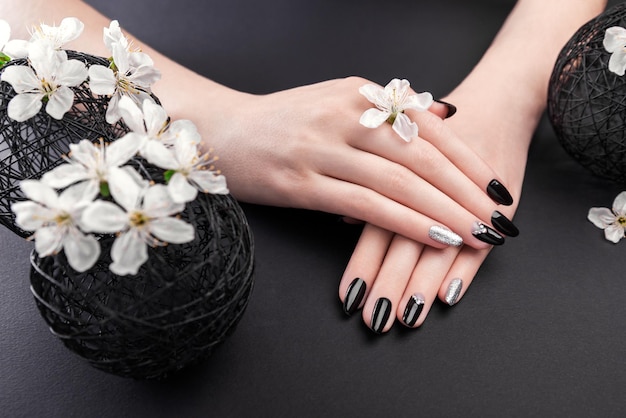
{"points": [[541, 331]]}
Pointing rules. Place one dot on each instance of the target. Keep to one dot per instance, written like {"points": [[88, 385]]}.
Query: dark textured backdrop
{"points": [[541, 331]]}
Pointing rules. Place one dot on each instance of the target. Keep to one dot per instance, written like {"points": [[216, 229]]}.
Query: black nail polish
{"points": [[499, 193], [413, 309], [450, 106], [503, 224], [487, 234], [382, 309], [354, 296]]}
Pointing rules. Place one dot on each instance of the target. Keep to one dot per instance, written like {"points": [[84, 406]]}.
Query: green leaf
{"points": [[168, 175]]}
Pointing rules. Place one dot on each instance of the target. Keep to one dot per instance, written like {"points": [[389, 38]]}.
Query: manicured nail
{"points": [[444, 235], [486, 234], [382, 309], [454, 291], [354, 296], [499, 193], [413, 309], [450, 106], [503, 224]]}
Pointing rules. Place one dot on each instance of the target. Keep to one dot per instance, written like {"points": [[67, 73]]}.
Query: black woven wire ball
{"points": [[184, 301], [29, 149], [587, 102]]}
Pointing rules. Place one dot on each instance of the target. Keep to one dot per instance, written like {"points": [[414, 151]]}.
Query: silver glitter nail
{"points": [[454, 290], [444, 235]]}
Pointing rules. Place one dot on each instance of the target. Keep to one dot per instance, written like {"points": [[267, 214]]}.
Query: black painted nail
{"points": [[503, 224], [413, 309], [450, 106], [382, 309], [487, 234], [499, 193], [354, 296]]}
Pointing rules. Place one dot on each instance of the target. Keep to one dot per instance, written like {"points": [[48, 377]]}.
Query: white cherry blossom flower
{"points": [[615, 43], [55, 221], [143, 217], [48, 79], [613, 221], [391, 102], [187, 170], [90, 164], [10, 49], [57, 36], [131, 74]]}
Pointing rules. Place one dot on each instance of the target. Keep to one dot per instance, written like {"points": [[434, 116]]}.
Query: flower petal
{"points": [[601, 217], [209, 182], [619, 204], [103, 217], [60, 102], [24, 106], [373, 118], [122, 150], [64, 175], [82, 251], [157, 202], [124, 189], [102, 81], [158, 154], [21, 78], [614, 233], [617, 62], [155, 117], [180, 190], [128, 252], [40, 192], [30, 215], [420, 101], [48, 240], [16, 48], [72, 73], [132, 115], [614, 38], [145, 76], [404, 127], [172, 230], [373, 93], [70, 29]]}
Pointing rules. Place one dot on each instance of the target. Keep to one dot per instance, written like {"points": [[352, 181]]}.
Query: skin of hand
{"points": [[305, 148], [499, 105]]}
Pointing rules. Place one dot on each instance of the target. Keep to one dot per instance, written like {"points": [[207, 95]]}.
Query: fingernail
{"points": [[454, 291], [444, 235], [486, 234], [503, 224], [413, 309], [450, 106], [382, 309], [354, 296], [499, 193]]}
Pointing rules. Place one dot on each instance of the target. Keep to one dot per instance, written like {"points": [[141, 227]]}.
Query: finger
{"points": [[383, 299], [390, 184], [442, 109], [342, 197], [424, 284], [432, 129], [461, 274], [363, 267]]}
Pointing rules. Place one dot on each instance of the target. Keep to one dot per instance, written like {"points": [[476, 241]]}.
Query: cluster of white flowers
{"points": [[94, 190]]}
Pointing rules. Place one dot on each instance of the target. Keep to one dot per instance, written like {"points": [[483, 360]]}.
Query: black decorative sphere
{"points": [[184, 301], [587, 102]]}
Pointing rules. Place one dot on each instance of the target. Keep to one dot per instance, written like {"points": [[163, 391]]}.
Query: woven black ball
{"points": [[184, 301], [587, 102], [30, 148]]}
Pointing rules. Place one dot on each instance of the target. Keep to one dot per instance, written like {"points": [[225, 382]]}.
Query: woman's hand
{"points": [[305, 148]]}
